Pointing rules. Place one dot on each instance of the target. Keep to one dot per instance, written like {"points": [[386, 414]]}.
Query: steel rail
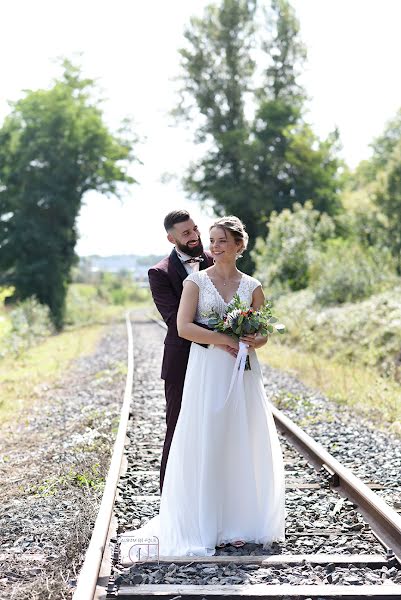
{"points": [[384, 520], [89, 573]]}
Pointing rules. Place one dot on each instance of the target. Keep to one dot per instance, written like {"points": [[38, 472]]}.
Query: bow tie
{"points": [[194, 259]]}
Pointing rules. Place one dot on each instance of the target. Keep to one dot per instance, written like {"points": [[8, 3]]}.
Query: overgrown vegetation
{"points": [[340, 299], [103, 300], [40, 366], [366, 333], [28, 323], [363, 389]]}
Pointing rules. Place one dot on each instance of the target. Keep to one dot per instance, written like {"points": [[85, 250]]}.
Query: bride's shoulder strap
{"points": [[253, 283], [194, 277]]}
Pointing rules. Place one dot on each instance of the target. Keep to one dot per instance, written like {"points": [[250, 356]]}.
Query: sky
{"points": [[131, 48]]}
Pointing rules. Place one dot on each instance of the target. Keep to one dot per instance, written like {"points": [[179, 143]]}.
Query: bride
{"points": [[224, 480]]}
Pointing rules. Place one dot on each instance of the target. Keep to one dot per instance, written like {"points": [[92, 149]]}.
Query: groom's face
{"points": [[186, 237]]}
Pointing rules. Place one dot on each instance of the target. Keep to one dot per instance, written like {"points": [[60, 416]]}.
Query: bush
{"points": [[366, 332], [362, 221], [120, 289], [29, 323], [283, 259], [348, 272], [82, 305], [87, 304]]}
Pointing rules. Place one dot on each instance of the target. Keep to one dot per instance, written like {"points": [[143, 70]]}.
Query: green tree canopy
{"points": [[240, 84], [388, 199], [384, 145], [373, 194], [54, 147]]}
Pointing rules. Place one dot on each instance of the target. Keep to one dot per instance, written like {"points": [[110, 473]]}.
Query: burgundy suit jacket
{"points": [[165, 281]]}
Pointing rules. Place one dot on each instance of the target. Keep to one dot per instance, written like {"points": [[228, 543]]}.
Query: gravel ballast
{"points": [[54, 461], [318, 520]]}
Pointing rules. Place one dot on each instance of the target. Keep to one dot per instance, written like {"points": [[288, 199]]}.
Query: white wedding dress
{"points": [[224, 478]]}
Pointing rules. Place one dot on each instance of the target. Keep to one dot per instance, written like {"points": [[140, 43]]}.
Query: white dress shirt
{"points": [[189, 267]]}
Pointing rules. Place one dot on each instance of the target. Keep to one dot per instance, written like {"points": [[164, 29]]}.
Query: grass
{"points": [[84, 306], [4, 324], [21, 380], [358, 386], [22, 376], [56, 483]]}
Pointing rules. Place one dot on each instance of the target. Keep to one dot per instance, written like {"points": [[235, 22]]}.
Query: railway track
{"points": [[321, 474]]}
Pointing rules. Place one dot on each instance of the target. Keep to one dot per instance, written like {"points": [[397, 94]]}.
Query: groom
{"points": [[165, 281]]}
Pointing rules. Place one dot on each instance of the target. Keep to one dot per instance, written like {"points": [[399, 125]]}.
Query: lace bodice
{"points": [[210, 299]]}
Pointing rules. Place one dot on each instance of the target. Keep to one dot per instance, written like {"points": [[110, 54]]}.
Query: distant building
{"points": [[138, 266]]}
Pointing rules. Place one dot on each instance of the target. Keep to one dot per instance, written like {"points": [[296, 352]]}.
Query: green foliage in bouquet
{"points": [[239, 320]]}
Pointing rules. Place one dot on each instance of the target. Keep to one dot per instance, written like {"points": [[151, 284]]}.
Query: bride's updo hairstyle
{"points": [[237, 230]]}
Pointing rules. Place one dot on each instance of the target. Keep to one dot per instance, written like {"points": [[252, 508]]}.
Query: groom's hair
{"points": [[175, 216]]}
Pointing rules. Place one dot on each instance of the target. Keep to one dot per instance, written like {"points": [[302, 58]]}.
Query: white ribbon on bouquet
{"points": [[237, 376]]}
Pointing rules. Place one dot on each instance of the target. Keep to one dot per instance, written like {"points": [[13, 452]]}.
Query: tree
{"points": [[373, 197], [54, 147], [253, 163], [294, 236], [217, 68], [287, 55], [388, 199], [384, 145], [291, 163]]}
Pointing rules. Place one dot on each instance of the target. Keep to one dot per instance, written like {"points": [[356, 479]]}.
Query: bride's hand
{"points": [[254, 340], [227, 349], [231, 342]]}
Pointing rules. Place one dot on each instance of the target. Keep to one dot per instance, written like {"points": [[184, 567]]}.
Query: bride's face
{"points": [[223, 246]]}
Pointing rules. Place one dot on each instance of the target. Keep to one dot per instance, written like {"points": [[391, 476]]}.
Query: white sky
{"points": [[354, 50]]}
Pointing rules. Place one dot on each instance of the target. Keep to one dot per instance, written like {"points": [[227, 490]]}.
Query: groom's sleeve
{"points": [[164, 296]]}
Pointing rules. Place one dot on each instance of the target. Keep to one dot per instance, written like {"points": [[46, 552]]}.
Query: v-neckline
{"points": [[236, 291]]}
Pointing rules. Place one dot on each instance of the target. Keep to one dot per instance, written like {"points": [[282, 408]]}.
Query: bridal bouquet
{"points": [[239, 320]]}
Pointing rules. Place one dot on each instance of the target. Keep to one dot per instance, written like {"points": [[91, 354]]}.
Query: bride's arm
{"points": [[258, 298], [256, 340], [188, 329]]}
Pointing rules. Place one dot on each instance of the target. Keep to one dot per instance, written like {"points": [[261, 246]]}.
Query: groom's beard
{"points": [[191, 250]]}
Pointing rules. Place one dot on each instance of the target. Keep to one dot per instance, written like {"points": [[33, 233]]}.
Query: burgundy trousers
{"points": [[173, 392]]}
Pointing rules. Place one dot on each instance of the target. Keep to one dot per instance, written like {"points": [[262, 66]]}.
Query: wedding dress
{"points": [[224, 479]]}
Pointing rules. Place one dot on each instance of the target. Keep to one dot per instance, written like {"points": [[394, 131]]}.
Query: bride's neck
{"points": [[228, 271]]}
